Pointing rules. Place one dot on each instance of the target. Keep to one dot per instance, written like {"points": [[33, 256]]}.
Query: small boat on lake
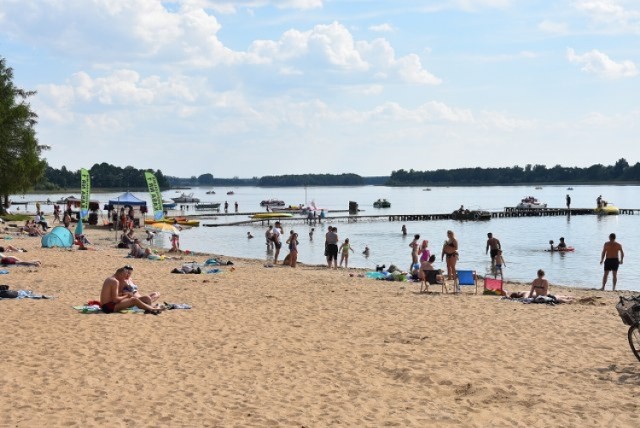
{"points": [[272, 203], [607, 209], [382, 203], [471, 215], [267, 216], [208, 206], [186, 199], [168, 205], [529, 203], [182, 221], [211, 192]]}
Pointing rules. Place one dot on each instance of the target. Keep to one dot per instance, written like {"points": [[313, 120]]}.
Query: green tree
{"points": [[20, 163]]}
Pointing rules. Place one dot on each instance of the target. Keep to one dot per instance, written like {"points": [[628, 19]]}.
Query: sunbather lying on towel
{"points": [[11, 260], [111, 300]]}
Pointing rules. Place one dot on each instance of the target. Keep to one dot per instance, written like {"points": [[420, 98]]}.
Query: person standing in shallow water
{"points": [[331, 247], [612, 256], [493, 244]]}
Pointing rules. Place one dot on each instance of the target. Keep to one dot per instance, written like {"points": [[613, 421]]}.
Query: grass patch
{"points": [[16, 217]]}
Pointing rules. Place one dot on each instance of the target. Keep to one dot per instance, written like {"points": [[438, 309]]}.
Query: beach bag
{"points": [[8, 294]]}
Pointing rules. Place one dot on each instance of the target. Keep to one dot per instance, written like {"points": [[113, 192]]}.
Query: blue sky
{"points": [[266, 87]]}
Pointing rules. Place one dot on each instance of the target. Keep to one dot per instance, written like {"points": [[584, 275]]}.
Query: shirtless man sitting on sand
{"points": [[111, 300]]}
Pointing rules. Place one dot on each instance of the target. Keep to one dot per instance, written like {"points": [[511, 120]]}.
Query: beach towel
{"points": [[538, 299], [22, 294], [177, 305], [95, 309], [3, 271]]}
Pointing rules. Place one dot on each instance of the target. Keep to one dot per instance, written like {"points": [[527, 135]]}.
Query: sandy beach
{"points": [[302, 347]]}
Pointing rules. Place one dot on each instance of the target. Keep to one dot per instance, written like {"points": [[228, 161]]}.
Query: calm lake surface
{"points": [[524, 240]]}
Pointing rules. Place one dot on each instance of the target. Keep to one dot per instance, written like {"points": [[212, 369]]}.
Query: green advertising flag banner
{"points": [[156, 196], [85, 191]]}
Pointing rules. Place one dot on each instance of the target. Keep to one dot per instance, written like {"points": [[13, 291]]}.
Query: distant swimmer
{"points": [[366, 251], [249, 235]]}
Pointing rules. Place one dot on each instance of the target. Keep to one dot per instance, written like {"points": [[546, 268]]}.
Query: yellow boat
{"points": [[267, 216], [182, 221], [607, 210]]}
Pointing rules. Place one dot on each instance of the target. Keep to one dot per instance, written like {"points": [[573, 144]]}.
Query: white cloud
{"points": [[382, 28], [553, 27], [598, 63], [334, 44], [472, 5], [616, 15]]}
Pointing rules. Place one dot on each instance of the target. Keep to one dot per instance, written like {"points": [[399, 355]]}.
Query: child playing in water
{"points": [[499, 263], [344, 251]]}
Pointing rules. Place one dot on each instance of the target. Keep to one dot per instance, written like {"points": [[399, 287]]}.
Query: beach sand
{"points": [[302, 347]]}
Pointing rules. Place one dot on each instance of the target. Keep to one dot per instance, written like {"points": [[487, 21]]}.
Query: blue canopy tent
{"points": [[127, 198]]}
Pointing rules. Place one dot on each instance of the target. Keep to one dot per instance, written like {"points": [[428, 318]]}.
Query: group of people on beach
{"points": [[273, 237], [612, 257]]}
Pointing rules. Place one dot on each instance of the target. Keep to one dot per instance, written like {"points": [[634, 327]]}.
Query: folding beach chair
{"points": [[466, 278], [493, 286], [432, 279]]}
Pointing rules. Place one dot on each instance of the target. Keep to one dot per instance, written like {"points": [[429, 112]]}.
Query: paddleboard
{"points": [[271, 215]]}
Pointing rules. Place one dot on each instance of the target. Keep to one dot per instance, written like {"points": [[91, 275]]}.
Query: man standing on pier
{"points": [[568, 202], [611, 251]]}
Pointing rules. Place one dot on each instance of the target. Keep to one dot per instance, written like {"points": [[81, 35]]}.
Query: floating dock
{"points": [[508, 212]]}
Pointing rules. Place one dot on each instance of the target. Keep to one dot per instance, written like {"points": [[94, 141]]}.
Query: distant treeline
{"points": [[279, 180], [109, 176], [102, 175], [311, 180], [620, 172]]}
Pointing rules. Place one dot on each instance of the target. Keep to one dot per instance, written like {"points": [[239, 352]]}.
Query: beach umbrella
{"points": [[79, 228], [164, 227]]}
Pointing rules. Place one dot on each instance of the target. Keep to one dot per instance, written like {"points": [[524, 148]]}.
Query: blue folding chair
{"points": [[465, 278]]}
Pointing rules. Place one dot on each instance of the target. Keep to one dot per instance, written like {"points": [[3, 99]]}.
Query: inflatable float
{"points": [[561, 250]]}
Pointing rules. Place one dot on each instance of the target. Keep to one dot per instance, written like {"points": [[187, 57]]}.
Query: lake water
{"points": [[524, 240]]}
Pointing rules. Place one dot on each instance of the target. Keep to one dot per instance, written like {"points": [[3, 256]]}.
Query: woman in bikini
{"points": [[539, 286], [450, 250], [415, 247]]}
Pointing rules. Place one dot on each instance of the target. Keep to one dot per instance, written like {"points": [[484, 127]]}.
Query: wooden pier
{"points": [[508, 212]]}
